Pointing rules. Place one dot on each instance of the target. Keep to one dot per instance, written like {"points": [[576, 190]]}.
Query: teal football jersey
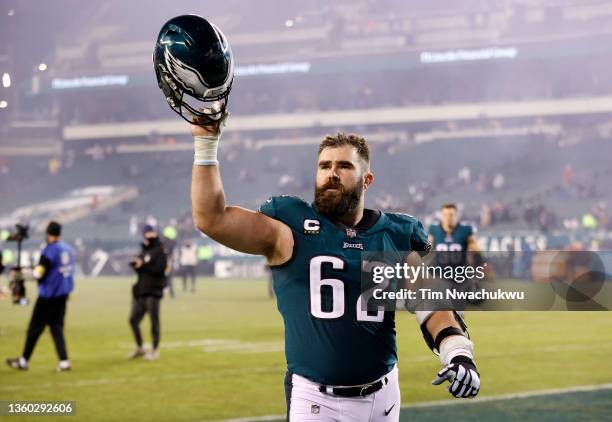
{"points": [[329, 338], [453, 245]]}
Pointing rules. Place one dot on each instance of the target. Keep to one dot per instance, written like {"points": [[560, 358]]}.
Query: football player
{"points": [[452, 235], [342, 361], [455, 244]]}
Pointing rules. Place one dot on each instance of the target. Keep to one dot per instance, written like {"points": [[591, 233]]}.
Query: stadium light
{"points": [[3, 104], [6, 80], [42, 67], [289, 23]]}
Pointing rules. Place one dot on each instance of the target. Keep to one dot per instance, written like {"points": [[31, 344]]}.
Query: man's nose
{"points": [[334, 173], [333, 177]]}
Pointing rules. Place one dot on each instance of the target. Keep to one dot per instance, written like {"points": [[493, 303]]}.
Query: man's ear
{"points": [[368, 179]]}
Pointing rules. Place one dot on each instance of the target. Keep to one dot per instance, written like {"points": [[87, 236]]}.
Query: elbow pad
{"points": [[435, 344]]}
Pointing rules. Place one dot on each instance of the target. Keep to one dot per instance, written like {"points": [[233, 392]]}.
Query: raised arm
{"points": [[235, 227]]}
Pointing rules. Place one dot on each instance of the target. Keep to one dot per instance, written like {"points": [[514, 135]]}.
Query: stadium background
{"points": [[501, 106]]}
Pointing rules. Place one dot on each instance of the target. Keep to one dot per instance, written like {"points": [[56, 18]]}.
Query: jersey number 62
{"points": [[337, 286]]}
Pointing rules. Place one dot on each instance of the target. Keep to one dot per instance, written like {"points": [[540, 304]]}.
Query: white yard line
{"points": [[220, 345], [142, 379], [512, 396]]}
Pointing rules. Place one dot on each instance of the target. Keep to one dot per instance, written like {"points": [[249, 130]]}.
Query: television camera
{"points": [[17, 280]]}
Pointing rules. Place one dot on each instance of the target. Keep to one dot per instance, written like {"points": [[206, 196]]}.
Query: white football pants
{"points": [[307, 403]]}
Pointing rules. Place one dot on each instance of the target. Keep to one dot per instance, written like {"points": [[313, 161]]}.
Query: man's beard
{"points": [[334, 205]]}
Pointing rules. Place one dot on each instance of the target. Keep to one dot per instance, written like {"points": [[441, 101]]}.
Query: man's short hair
{"points": [[449, 205], [54, 229], [340, 139]]}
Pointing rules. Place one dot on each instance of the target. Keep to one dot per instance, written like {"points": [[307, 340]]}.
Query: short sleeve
{"points": [[289, 210], [471, 230], [419, 240], [268, 208]]}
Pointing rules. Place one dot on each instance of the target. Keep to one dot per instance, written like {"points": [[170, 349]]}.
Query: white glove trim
{"points": [[454, 346]]}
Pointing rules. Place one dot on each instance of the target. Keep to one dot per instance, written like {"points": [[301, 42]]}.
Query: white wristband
{"points": [[205, 148], [454, 346]]}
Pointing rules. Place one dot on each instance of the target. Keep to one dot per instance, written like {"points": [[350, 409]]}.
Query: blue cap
{"points": [[147, 228]]}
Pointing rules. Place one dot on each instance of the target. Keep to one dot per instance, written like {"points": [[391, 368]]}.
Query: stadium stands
{"points": [[435, 89]]}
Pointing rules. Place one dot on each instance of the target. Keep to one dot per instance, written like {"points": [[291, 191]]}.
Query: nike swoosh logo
{"points": [[390, 409]]}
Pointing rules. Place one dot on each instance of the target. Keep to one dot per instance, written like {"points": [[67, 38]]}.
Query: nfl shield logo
{"points": [[351, 232], [315, 409]]}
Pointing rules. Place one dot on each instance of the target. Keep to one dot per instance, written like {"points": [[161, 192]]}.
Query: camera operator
{"points": [[55, 275], [150, 265]]}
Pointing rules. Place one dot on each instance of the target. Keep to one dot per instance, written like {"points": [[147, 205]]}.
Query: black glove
{"points": [[463, 376]]}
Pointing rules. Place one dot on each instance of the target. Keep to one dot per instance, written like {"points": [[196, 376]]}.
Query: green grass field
{"points": [[222, 357]]}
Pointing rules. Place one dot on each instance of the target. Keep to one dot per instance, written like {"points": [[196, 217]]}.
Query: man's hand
{"points": [[208, 130], [213, 129], [136, 262], [463, 376]]}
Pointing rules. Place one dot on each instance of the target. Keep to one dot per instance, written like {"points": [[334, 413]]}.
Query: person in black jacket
{"points": [[150, 265]]}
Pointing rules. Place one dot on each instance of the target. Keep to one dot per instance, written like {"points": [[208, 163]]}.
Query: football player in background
{"points": [[452, 235], [341, 360], [455, 244]]}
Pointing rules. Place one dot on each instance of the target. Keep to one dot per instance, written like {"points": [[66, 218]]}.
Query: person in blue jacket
{"points": [[55, 275]]}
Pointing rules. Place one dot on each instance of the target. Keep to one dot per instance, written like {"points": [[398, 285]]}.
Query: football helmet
{"points": [[194, 66]]}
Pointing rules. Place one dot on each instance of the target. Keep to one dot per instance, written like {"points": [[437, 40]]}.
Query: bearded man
{"points": [[341, 359]]}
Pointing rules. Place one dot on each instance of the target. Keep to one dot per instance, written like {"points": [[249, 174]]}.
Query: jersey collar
{"points": [[371, 218]]}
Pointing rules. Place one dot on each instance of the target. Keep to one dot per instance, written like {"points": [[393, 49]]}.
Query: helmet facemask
{"points": [[199, 111]]}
